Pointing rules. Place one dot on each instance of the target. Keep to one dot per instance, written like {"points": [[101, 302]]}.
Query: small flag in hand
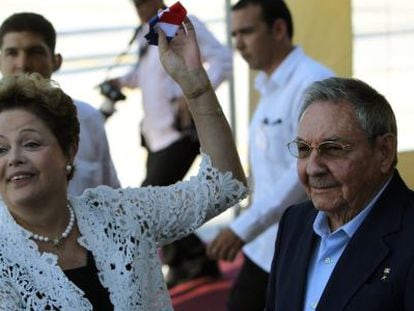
{"points": [[169, 20]]}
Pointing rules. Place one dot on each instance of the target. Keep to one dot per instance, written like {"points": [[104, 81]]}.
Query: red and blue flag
{"points": [[169, 20]]}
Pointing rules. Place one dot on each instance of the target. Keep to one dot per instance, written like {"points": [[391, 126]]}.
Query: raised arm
{"points": [[181, 59]]}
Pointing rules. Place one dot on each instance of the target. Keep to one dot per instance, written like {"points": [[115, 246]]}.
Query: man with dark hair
{"points": [[350, 247], [271, 11], [167, 133], [263, 31], [27, 44]]}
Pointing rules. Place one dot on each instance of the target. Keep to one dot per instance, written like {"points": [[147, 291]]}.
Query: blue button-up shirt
{"points": [[328, 251]]}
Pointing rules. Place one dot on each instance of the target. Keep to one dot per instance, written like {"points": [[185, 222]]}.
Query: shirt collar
{"points": [[321, 226], [281, 74]]}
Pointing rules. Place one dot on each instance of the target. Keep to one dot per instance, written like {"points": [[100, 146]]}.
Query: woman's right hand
{"points": [[181, 59]]}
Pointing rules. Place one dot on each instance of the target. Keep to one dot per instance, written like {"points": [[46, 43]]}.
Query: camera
{"points": [[112, 94]]}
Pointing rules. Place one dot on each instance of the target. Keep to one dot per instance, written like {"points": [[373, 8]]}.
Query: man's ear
{"points": [[57, 62], [279, 29], [387, 147]]}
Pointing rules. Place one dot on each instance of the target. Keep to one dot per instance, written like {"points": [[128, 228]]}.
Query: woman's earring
{"points": [[68, 168]]}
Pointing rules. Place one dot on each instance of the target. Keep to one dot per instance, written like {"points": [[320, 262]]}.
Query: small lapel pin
{"points": [[386, 273]]}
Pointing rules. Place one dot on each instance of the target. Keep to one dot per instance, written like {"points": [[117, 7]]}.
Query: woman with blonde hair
{"points": [[99, 250]]}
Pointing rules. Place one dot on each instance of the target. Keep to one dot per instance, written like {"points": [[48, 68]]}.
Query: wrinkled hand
{"points": [[225, 246], [181, 56]]}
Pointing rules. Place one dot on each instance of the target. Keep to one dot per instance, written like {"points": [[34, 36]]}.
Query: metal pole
{"points": [[232, 106]]}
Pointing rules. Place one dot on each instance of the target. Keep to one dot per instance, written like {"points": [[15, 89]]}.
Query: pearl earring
{"points": [[68, 168]]}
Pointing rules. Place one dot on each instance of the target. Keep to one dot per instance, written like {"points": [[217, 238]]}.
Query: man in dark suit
{"points": [[352, 246]]}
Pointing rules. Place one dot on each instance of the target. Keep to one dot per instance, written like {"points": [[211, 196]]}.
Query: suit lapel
{"points": [[367, 249], [359, 260]]}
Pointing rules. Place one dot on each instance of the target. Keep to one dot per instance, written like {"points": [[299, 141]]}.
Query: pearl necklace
{"points": [[57, 241]]}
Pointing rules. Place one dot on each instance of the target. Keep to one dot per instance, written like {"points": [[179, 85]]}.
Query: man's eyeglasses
{"points": [[332, 149]]}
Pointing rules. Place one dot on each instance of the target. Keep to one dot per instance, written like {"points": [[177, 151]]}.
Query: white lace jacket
{"points": [[122, 228]]}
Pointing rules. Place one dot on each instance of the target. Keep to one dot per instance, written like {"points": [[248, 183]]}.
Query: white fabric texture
{"points": [[275, 184], [93, 163], [158, 89], [122, 228]]}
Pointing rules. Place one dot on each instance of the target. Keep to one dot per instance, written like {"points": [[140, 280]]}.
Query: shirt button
{"points": [[327, 260], [314, 305]]}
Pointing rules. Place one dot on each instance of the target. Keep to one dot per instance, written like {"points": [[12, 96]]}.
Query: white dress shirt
{"points": [[93, 163], [275, 181], [159, 89]]}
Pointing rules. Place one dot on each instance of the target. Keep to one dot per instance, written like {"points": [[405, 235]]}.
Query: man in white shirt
{"points": [[263, 31], [27, 43], [167, 132]]}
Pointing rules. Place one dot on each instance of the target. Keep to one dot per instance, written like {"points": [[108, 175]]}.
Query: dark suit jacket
{"points": [[385, 240]]}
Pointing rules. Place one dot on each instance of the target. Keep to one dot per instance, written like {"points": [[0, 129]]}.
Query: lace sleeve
{"points": [[9, 298], [168, 213], [191, 203]]}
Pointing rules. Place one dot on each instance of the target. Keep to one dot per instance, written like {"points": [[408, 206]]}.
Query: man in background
{"points": [[263, 32], [167, 132], [27, 44]]}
